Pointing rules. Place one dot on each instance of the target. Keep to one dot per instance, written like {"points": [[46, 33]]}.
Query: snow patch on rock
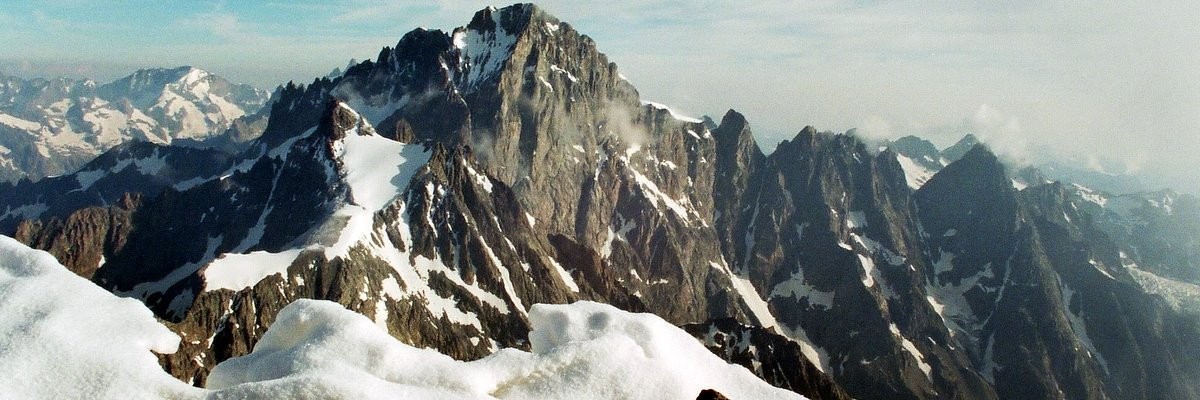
{"points": [[797, 287], [239, 271], [681, 117], [914, 173]]}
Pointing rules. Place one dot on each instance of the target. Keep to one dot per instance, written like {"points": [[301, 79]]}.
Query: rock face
{"points": [[84, 240], [444, 187], [134, 167], [777, 359], [52, 127]]}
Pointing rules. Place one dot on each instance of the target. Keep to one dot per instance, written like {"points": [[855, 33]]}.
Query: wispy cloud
{"points": [[48, 21], [369, 12], [222, 25]]}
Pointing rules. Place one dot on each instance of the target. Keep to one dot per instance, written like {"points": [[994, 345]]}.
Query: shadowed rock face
{"points": [[135, 167], [85, 239], [775, 358], [532, 173]]}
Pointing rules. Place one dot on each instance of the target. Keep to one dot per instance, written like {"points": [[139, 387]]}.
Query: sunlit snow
{"points": [[579, 351], [62, 336], [19, 123], [378, 168], [239, 271], [671, 111]]}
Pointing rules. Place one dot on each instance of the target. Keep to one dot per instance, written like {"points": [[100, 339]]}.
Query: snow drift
{"points": [[580, 351], [63, 337]]}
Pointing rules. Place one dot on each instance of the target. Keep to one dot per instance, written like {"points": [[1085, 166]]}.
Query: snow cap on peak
{"points": [[162, 76], [193, 75], [486, 44]]}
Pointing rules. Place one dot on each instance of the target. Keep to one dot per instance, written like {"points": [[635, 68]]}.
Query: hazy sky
{"points": [[1119, 80]]}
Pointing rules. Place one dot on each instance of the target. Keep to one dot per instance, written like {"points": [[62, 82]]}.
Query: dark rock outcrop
{"points": [[709, 394], [84, 240], [773, 357]]}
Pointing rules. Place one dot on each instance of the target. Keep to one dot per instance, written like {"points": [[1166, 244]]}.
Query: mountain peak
{"points": [[960, 148], [978, 169], [913, 147], [733, 117], [510, 18], [487, 43], [69, 122], [733, 133], [981, 152], [161, 76]]}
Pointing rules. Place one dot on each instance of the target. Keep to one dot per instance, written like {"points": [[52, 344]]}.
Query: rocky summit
{"points": [[460, 177]]}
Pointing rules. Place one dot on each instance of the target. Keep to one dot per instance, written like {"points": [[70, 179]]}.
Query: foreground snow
{"points": [[580, 351], [63, 337]]}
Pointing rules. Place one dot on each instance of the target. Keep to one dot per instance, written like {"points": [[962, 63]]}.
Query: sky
{"points": [[1116, 81]]}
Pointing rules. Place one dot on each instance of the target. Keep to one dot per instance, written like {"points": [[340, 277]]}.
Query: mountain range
{"points": [[52, 127], [457, 179]]}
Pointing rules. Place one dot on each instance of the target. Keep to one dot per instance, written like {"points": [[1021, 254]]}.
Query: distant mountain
{"points": [[52, 127], [1068, 170], [337, 72], [921, 159], [1161, 227], [134, 167], [444, 187]]}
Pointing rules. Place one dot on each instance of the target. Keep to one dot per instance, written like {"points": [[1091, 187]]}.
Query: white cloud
{"points": [[876, 128], [368, 12], [1001, 132]]}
